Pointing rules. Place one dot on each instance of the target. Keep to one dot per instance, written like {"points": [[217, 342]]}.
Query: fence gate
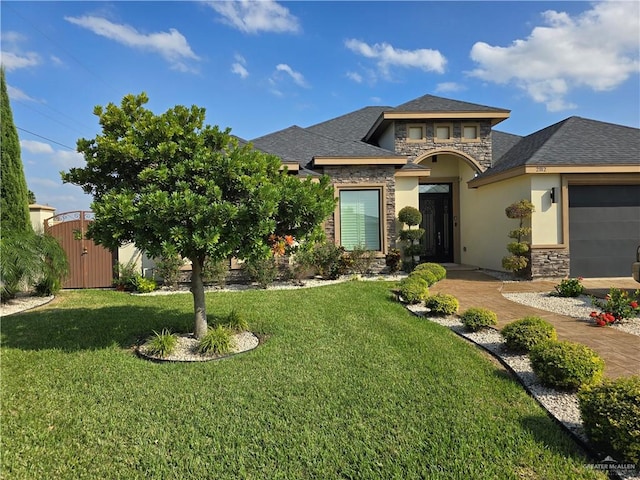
{"points": [[90, 265]]}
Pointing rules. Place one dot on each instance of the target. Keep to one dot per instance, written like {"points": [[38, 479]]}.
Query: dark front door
{"points": [[437, 220]]}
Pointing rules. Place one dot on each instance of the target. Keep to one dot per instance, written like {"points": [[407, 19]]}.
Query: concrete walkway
{"points": [[620, 350]]}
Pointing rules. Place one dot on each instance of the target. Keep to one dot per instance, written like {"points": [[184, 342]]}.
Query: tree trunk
{"points": [[199, 304]]}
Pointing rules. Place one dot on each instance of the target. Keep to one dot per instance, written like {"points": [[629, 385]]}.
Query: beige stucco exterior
{"points": [[546, 221]]}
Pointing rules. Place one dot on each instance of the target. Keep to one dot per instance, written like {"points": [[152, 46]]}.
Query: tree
{"points": [[14, 203], [172, 185], [412, 217]]}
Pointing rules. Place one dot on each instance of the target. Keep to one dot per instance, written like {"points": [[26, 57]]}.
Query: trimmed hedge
{"points": [[436, 269], [442, 304], [414, 289], [426, 275], [566, 365], [477, 318], [524, 334], [611, 415]]}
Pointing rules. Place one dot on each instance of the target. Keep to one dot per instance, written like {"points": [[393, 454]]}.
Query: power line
{"points": [[45, 138]]}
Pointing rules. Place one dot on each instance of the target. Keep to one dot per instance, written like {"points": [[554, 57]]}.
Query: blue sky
{"points": [[258, 67]]}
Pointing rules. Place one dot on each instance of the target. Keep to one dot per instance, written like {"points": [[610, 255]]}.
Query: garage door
{"points": [[604, 229]]}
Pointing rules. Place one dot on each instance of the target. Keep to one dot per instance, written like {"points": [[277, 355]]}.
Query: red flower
{"points": [[601, 323], [593, 314], [634, 304]]}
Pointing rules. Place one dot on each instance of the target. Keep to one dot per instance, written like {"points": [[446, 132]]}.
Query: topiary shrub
{"points": [[477, 318], [611, 415], [566, 365], [524, 334], [414, 290], [436, 269], [442, 304], [426, 275]]}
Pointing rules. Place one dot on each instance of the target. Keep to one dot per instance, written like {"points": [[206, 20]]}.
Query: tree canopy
{"points": [[171, 184]]}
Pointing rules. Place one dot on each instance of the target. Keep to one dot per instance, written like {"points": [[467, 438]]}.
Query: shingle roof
{"points": [[502, 142], [431, 103], [573, 141], [296, 144], [352, 126]]}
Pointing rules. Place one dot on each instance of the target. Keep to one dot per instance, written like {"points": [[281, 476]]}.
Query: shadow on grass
{"points": [[77, 329], [565, 444]]}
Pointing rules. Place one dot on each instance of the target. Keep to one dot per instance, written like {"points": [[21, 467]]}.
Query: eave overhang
{"points": [[552, 169], [340, 161]]}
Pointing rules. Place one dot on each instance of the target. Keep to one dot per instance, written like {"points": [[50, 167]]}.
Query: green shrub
{"points": [[412, 235], [330, 261], [617, 303], [477, 318], [611, 415], [438, 270], [566, 365], [569, 287], [162, 344], [426, 275], [414, 290], [236, 322], [361, 259], [126, 276], [215, 273], [524, 334], [393, 260], [145, 285], [168, 269], [442, 304], [217, 340], [263, 271]]}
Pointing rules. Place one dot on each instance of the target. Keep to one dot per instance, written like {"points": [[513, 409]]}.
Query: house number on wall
{"points": [[541, 169]]}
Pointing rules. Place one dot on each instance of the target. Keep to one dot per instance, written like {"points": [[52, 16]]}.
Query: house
{"points": [[446, 158]]}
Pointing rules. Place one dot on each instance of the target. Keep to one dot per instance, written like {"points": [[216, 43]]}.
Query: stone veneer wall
{"points": [[369, 174], [552, 262], [480, 151]]}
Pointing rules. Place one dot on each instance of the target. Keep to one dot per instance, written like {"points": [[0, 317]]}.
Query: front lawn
{"points": [[348, 384]]}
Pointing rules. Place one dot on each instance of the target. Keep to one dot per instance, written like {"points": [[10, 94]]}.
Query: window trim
{"points": [[435, 133], [381, 188], [423, 136], [470, 140]]}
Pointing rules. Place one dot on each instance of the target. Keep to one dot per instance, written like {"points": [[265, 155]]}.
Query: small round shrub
{"points": [[436, 269], [412, 235], [414, 290], [569, 287], [442, 304], [477, 318], [145, 285], [566, 365], [410, 215], [217, 340], [426, 275], [611, 415], [524, 334]]}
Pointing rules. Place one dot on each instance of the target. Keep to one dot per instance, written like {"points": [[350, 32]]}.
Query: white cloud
{"points": [[388, 56], [172, 45], [239, 67], [17, 94], [12, 37], [356, 77], [13, 61], [297, 77], [33, 146], [67, 159], [56, 60], [250, 16], [597, 49], [448, 87]]}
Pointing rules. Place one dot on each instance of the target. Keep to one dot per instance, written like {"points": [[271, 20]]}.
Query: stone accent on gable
{"points": [[367, 175], [551, 263], [480, 151]]}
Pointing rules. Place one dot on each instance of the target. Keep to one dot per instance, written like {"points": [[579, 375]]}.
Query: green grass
{"points": [[347, 384]]}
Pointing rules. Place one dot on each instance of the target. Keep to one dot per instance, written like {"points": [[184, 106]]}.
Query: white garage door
{"points": [[604, 229]]}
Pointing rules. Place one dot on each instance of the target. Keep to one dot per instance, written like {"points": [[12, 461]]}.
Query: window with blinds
{"points": [[360, 219]]}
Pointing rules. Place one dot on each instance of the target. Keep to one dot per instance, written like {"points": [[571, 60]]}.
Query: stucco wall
{"points": [[546, 221], [387, 139], [483, 224]]}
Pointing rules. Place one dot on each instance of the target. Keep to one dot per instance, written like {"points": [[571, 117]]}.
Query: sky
{"points": [[261, 66]]}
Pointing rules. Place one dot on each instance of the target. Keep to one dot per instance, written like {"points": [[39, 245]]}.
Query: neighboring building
{"points": [[444, 157]]}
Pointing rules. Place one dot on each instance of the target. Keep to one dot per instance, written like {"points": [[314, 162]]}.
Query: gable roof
{"points": [[351, 126], [573, 142], [433, 104], [301, 145]]}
